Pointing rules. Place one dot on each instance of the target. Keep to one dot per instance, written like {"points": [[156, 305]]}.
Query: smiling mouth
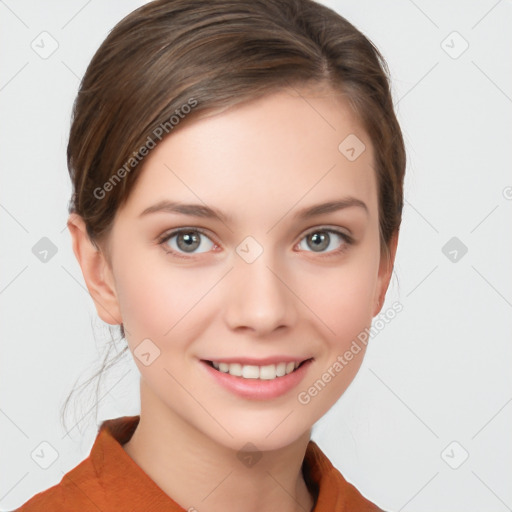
{"points": [[248, 371]]}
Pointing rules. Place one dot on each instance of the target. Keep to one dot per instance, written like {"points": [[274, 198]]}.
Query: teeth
{"points": [[248, 371], [251, 372], [281, 369]]}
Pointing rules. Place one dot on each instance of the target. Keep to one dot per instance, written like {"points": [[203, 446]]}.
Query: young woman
{"points": [[237, 170]]}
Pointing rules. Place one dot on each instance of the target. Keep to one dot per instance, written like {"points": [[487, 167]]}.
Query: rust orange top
{"points": [[109, 480]]}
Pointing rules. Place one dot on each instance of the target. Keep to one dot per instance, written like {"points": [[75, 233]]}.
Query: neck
{"points": [[198, 473]]}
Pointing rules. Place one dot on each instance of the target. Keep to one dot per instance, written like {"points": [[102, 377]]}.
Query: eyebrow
{"points": [[199, 210]]}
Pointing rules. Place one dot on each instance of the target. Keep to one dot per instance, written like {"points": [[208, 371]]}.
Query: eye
{"points": [[187, 240], [322, 238]]}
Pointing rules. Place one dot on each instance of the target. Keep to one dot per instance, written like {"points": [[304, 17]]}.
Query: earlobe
{"points": [[385, 273], [96, 271]]}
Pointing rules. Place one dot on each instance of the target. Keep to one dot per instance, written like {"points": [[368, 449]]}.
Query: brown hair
{"points": [[171, 61]]}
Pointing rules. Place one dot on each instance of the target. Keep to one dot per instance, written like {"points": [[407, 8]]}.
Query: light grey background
{"points": [[439, 373]]}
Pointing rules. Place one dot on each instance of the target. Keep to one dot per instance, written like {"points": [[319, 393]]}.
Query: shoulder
{"points": [[107, 480], [333, 491], [90, 485], [78, 490]]}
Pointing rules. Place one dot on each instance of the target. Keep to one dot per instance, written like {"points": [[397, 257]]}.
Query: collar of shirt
{"points": [[110, 480]]}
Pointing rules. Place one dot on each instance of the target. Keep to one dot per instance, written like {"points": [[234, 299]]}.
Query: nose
{"points": [[258, 296]]}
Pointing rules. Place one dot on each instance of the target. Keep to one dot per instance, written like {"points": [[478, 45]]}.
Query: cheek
{"points": [[153, 297], [341, 299], [157, 303], [341, 302]]}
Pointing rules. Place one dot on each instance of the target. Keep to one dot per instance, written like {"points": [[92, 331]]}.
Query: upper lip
{"points": [[259, 362]]}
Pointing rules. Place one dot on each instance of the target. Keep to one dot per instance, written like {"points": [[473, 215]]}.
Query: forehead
{"points": [[289, 147]]}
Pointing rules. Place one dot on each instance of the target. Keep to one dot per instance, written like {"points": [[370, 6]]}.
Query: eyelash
{"points": [[348, 240]]}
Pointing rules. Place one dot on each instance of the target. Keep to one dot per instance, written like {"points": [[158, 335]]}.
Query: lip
{"points": [[257, 389]]}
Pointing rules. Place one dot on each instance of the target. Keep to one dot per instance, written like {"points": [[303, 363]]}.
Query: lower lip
{"points": [[258, 389]]}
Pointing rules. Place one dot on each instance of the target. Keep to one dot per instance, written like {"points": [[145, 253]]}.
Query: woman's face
{"points": [[264, 282]]}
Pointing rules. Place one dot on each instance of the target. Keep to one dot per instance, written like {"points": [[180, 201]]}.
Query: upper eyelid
{"points": [[336, 230], [176, 231]]}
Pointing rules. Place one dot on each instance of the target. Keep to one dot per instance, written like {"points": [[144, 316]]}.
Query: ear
{"points": [[96, 271], [385, 273]]}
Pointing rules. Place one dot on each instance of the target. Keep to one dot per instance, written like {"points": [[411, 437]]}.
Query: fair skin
{"points": [[260, 163]]}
